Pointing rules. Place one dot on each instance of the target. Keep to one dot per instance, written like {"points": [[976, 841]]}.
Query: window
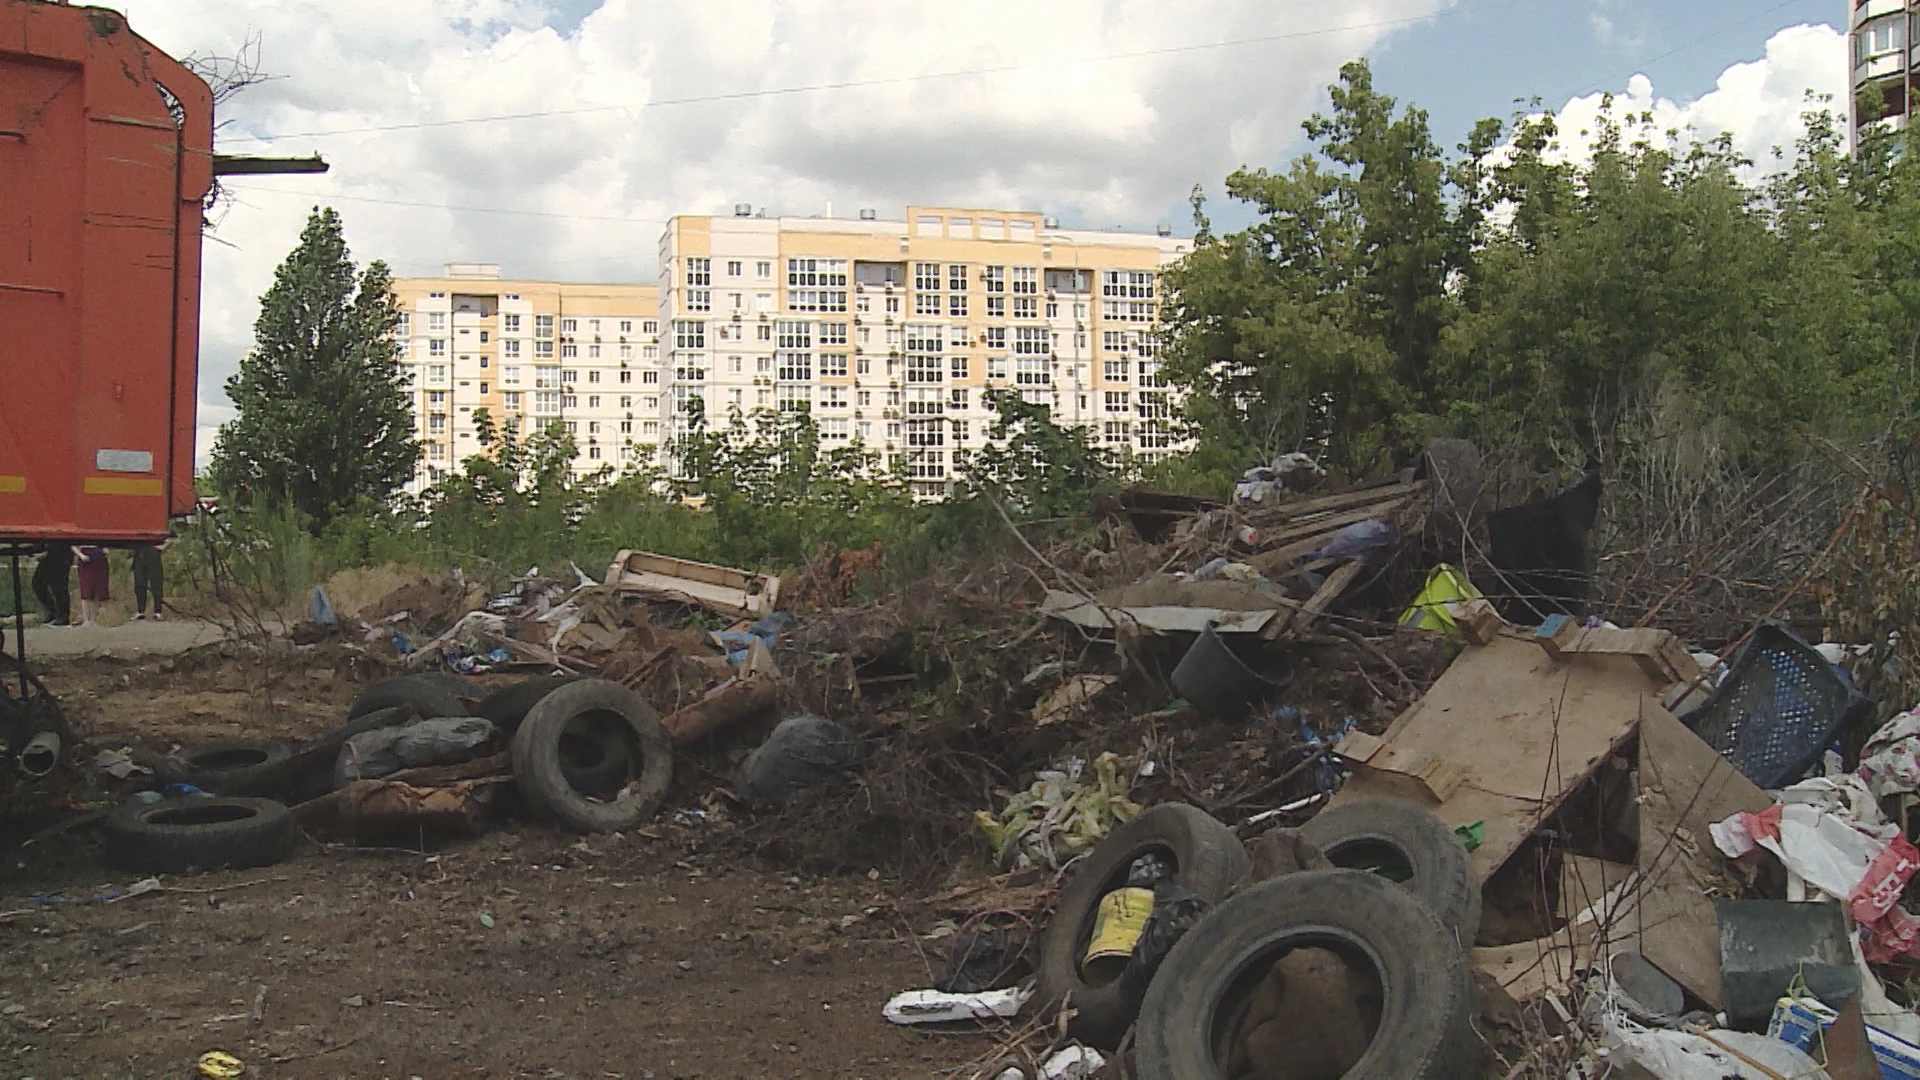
{"points": [[996, 307], [1114, 341], [763, 398], [626, 352], [736, 301], [546, 402], [736, 398], [699, 300], [626, 326], [593, 427], [957, 305], [824, 273], [791, 398], [924, 346], [543, 349], [833, 333], [823, 300], [833, 364], [794, 334], [1127, 310], [864, 398], [1152, 405], [650, 427], [1116, 401], [593, 327], [436, 424], [650, 326], [626, 376], [1883, 35], [510, 376], [1116, 432], [437, 373], [957, 278], [863, 365], [926, 304], [1026, 307], [996, 337], [1150, 373], [593, 351], [543, 326], [794, 367], [733, 364], [957, 397], [593, 453], [569, 401], [626, 401], [958, 428], [568, 375], [437, 347], [1033, 371], [573, 427], [699, 271], [593, 402], [569, 326], [649, 352], [689, 334], [483, 388], [893, 431], [766, 332], [733, 267], [1053, 309], [1032, 340], [833, 397], [1026, 281], [764, 269], [512, 399], [546, 378], [996, 278], [1115, 370], [404, 326], [833, 430], [510, 350], [926, 277], [692, 371], [893, 305], [1069, 281], [957, 367], [569, 350], [763, 364], [509, 324], [436, 320]]}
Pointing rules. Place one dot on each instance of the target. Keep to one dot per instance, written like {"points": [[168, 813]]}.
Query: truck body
{"points": [[106, 158]]}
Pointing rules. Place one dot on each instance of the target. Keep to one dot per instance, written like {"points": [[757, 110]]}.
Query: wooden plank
{"points": [[1343, 500], [1657, 651], [1520, 731], [1299, 622], [1684, 787]]}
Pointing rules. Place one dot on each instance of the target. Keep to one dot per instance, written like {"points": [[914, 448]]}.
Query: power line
{"points": [[853, 84]]}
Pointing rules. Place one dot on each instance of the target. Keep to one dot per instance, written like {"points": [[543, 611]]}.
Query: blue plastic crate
{"points": [[1798, 1022], [1779, 707]]}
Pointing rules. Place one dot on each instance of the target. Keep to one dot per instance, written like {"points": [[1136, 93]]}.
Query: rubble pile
{"points": [[1283, 755]]}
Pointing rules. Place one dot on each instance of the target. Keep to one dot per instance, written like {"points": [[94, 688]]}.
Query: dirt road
{"points": [[527, 953], [129, 639]]}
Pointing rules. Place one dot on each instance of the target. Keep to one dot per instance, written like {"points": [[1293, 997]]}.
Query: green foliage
{"points": [[323, 419], [1037, 467]]}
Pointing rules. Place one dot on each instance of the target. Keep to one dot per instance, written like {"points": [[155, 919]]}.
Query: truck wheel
{"points": [[425, 696], [1408, 844], [509, 705], [1212, 1010], [175, 836], [240, 767], [1207, 858], [541, 772]]}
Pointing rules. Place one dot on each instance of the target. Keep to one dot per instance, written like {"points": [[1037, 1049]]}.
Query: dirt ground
{"points": [[527, 953]]}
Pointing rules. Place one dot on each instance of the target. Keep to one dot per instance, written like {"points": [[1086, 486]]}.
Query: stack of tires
{"points": [[1250, 989], [588, 754]]}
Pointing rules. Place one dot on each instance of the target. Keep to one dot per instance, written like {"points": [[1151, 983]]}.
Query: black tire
{"points": [[1371, 833], [424, 695], [594, 757], [175, 836], [542, 779], [509, 705], [309, 773], [460, 686], [1207, 858], [237, 767], [1189, 1025]]}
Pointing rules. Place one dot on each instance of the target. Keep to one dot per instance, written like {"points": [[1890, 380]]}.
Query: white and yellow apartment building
{"points": [[529, 353], [889, 332]]}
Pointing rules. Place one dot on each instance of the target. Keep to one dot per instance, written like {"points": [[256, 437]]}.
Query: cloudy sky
{"points": [[555, 136]]}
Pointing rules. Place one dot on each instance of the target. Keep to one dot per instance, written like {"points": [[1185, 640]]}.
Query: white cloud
{"points": [[1758, 103], [1098, 141]]}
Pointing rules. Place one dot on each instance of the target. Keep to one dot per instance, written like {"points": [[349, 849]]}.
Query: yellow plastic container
{"points": [[1117, 926]]}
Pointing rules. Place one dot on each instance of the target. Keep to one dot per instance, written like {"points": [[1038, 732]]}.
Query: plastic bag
{"points": [[803, 752], [371, 755]]}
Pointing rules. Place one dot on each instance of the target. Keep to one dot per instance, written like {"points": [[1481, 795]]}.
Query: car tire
{"points": [[175, 836], [238, 767], [594, 757], [1190, 1023], [424, 695], [1207, 858], [541, 773], [509, 705], [468, 691], [1368, 833]]}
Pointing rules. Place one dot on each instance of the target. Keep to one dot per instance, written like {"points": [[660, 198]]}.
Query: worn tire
{"points": [[1187, 1024], [238, 767], [509, 705], [424, 695], [460, 686], [177, 835], [595, 757], [542, 778], [1208, 859], [1356, 835]]}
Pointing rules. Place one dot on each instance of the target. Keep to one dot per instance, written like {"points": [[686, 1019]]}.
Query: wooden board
{"points": [[1504, 735], [1584, 881], [1684, 787], [1658, 651]]}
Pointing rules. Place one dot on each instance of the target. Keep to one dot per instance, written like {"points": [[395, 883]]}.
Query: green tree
{"points": [[323, 416]]}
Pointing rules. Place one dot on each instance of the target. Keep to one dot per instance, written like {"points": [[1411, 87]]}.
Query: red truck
{"points": [[106, 159]]}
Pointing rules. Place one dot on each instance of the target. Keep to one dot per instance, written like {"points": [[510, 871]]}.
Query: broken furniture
{"points": [[717, 588]]}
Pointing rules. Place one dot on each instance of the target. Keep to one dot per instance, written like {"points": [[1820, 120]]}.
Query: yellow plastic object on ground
{"points": [[1117, 926], [215, 1065], [1060, 816], [1429, 610]]}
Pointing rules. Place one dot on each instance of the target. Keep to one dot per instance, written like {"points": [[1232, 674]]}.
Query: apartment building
{"points": [[1884, 58], [527, 353], [891, 332]]}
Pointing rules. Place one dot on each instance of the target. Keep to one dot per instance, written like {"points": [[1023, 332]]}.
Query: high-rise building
{"points": [[892, 332], [1884, 58], [528, 353]]}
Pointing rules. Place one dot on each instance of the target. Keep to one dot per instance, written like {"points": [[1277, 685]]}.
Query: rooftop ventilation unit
{"points": [[741, 209], [868, 215]]}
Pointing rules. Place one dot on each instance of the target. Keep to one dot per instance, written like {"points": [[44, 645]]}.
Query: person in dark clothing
{"points": [[50, 585], [147, 578]]}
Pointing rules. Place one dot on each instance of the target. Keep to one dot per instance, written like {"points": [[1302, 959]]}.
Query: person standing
{"points": [[50, 585], [148, 578], [93, 581]]}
